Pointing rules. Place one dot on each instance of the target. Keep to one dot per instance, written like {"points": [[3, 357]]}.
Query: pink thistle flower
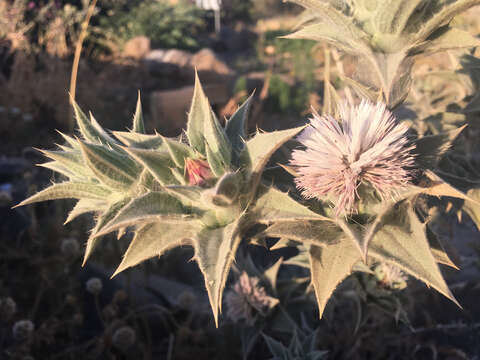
{"points": [[197, 171], [246, 298], [366, 145]]}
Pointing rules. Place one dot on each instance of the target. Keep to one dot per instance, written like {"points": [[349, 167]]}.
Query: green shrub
{"points": [[167, 26]]}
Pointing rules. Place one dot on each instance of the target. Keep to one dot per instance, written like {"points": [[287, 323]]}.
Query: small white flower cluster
{"points": [[94, 286], [123, 338], [22, 330]]}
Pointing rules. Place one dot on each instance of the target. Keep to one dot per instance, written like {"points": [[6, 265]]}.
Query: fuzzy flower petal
{"points": [[366, 145]]}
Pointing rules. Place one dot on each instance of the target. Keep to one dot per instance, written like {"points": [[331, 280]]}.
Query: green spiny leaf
{"points": [[105, 217], [159, 163], [438, 250], [314, 232], [442, 17], [226, 190], [178, 151], [260, 148], [473, 208], [105, 138], [84, 206], [149, 208], [141, 141], [154, 240], [199, 110], [236, 126], [70, 141], [68, 190], [441, 188], [179, 176], [138, 124], [111, 168], [429, 149], [90, 129], [331, 26], [215, 251], [450, 38], [402, 241], [273, 205], [339, 37], [355, 234], [72, 160], [188, 195], [61, 169], [329, 266], [217, 141], [215, 163], [392, 16], [277, 349]]}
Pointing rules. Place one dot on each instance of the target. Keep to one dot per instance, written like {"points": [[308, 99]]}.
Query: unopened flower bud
{"points": [[197, 171]]}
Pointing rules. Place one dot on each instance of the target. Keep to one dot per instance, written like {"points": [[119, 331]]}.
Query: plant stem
{"points": [[76, 59]]}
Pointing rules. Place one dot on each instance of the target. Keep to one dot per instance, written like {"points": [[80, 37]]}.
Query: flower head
{"points": [[247, 298], [366, 145]]}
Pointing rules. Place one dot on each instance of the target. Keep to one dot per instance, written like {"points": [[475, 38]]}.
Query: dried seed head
{"points": [[70, 247], [247, 298], [366, 145], [22, 330], [8, 308], [94, 286], [123, 338]]}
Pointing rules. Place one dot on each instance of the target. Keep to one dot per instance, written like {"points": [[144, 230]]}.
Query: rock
{"points": [[207, 60], [161, 62], [178, 57], [137, 47], [210, 68]]}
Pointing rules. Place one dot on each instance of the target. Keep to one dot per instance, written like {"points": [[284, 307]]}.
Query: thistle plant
{"points": [[205, 192], [367, 219], [385, 36], [365, 178]]}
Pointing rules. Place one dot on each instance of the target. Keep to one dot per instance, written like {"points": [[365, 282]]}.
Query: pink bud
{"points": [[197, 171]]}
